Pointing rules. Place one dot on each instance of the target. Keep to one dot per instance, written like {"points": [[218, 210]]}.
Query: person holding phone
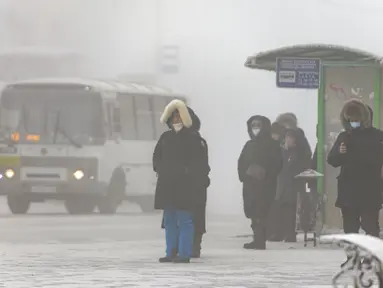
{"points": [[358, 151]]}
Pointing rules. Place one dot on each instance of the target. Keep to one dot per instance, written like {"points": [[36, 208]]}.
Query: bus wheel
{"points": [[79, 206], [18, 204]]}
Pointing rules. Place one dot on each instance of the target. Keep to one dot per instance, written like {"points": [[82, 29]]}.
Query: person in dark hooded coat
{"points": [[288, 188], [278, 132], [200, 212], [290, 121], [358, 151], [258, 166], [181, 163]]}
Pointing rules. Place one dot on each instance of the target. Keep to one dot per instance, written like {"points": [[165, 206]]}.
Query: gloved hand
{"points": [[256, 171]]}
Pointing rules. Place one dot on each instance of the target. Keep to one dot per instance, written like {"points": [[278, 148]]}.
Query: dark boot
{"points": [[254, 246], [197, 245], [250, 245], [166, 259], [180, 260], [260, 230]]}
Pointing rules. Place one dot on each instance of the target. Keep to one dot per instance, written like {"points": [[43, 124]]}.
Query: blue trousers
{"points": [[179, 230]]}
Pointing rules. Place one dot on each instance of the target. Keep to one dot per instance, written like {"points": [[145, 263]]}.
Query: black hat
{"points": [[277, 128]]}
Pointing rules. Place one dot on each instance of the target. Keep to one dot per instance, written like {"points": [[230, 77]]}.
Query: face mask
{"points": [[355, 124], [177, 127], [256, 131]]}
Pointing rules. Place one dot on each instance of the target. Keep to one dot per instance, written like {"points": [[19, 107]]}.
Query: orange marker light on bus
{"points": [[15, 136], [32, 137]]}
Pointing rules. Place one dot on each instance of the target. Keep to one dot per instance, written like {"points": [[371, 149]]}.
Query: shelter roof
{"points": [[326, 53]]}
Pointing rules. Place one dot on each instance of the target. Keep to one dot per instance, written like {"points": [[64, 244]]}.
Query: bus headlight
{"points": [[78, 175], [9, 173]]}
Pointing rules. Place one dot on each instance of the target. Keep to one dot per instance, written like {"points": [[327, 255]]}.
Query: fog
{"points": [[214, 37]]}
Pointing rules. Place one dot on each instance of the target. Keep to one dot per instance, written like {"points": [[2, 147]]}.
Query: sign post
{"points": [[301, 73]]}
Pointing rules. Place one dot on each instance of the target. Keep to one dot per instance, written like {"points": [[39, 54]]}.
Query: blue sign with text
{"points": [[298, 73]]}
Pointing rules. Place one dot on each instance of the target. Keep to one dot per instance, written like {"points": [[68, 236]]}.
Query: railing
{"points": [[364, 260]]}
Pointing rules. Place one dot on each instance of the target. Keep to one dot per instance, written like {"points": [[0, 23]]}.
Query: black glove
{"points": [[256, 171]]}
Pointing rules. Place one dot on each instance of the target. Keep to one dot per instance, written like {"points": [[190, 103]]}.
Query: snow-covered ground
{"points": [[57, 250]]}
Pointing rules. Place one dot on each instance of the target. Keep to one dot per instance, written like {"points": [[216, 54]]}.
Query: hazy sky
{"points": [[214, 38]]}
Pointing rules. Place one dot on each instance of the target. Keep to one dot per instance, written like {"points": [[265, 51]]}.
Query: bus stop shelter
{"points": [[344, 73]]}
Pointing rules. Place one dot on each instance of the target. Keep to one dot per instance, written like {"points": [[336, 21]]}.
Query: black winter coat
{"points": [[265, 152], [289, 119], [199, 217], [200, 208], [288, 186], [181, 163], [305, 148], [359, 181]]}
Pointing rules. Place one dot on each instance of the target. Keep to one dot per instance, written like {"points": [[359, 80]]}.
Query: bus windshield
{"points": [[53, 116]]}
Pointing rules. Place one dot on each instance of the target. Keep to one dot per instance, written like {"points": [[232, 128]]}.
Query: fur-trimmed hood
{"points": [[180, 106], [355, 108], [196, 122], [287, 120], [266, 125]]}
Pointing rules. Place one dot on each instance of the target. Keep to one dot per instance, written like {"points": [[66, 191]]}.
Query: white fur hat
{"points": [[182, 109]]}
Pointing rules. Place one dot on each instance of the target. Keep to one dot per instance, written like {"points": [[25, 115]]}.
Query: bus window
{"points": [[109, 119], [128, 120], [116, 120], [145, 129]]}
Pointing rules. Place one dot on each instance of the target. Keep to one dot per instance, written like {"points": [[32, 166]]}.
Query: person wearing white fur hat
{"points": [[199, 218], [181, 163]]}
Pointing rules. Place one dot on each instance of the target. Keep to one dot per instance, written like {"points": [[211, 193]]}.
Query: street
{"points": [[48, 248]]}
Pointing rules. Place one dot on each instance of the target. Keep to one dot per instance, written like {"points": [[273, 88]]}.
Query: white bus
{"points": [[88, 143]]}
